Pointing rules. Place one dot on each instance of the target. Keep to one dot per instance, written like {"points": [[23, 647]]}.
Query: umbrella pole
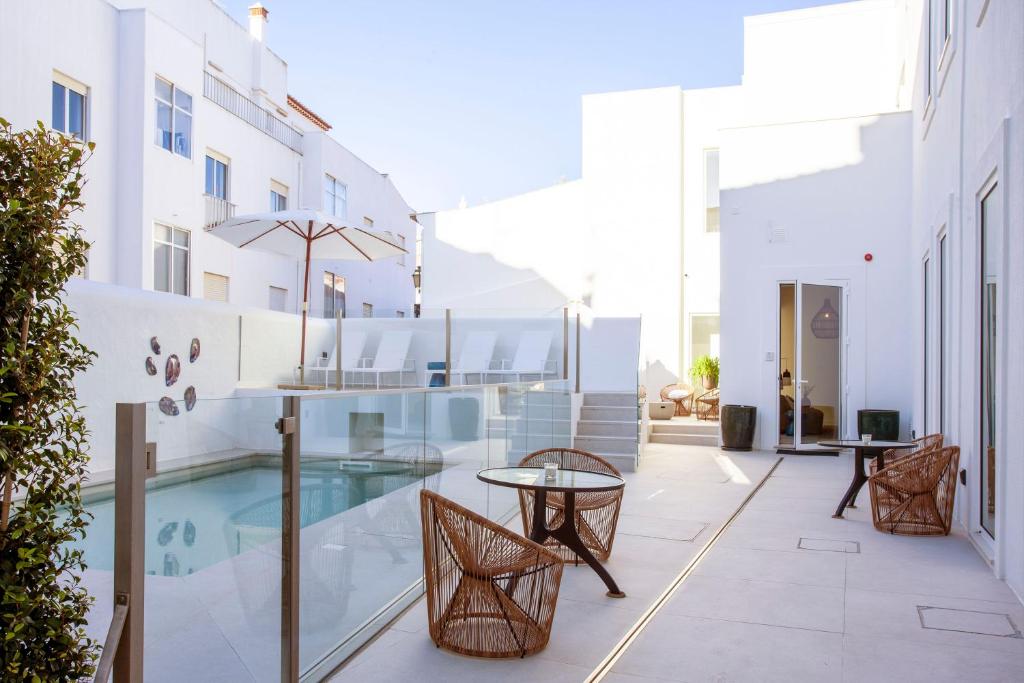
{"points": [[305, 312]]}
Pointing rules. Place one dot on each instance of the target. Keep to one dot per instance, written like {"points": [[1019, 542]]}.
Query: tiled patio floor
{"points": [[786, 594]]}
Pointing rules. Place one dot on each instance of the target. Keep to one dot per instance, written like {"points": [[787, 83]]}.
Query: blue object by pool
{"points": [[437, 379]]}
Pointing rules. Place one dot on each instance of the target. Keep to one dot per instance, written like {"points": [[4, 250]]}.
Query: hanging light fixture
{"points": [[825, 324]]}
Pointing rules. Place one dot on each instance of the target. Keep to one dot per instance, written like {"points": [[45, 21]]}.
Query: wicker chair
{"points": [[490, 592], [891, 456], [684, 405], [914, 496], [596, 513], [707, 405]]}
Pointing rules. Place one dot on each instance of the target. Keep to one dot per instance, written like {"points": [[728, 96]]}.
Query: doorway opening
{"points": [[809, 366]]}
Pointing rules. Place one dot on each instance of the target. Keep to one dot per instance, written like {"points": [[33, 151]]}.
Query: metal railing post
{"points": [[565, 343], [337, 352], [577, 353], [130, 467], [288, 427], [448, 348]]}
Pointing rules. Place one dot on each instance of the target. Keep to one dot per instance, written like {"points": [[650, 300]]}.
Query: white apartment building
{"points": [[193, 122]]}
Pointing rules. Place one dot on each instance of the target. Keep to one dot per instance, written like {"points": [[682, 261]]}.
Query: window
{"points": [[924, 349], [943, 296], [173, 118], [334, 295], [928, 33], [170, 259], [367, 310], [278, 298], [367, 221], [216, 176], [399, 314], [704, 336], [401, 243], [69, 105], [335, 197], [215, 287], [711, 217], [278, 196], [991, 222]]}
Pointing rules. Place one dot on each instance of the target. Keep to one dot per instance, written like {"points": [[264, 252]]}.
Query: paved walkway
{"points": [[787, 593]]}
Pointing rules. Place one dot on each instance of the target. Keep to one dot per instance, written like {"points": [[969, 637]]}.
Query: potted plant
{"points": [[42, 433], [705, 369]]}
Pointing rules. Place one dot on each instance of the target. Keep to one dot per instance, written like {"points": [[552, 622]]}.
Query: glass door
{"points": [[818, 386], [990, 254]]}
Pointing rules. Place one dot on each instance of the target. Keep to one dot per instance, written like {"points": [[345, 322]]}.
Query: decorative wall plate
{"points": [[150, 366], [172, 369], [155, 345], [193, 350], [190, 398], [168, 406]]}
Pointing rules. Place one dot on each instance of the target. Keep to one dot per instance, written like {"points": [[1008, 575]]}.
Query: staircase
{"points": [[683, 433], [608, 428]]}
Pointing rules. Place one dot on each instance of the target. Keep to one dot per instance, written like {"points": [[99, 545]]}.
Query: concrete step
{"points": [[606, 428], [666, 427], [685, 439], [540, 425], [623, 462], [535, 442], [616, 413], [558, 411], [609, 398], [606, 444]]}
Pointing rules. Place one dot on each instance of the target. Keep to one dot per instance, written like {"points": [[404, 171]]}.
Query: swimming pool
{"points": [[198, 517]]}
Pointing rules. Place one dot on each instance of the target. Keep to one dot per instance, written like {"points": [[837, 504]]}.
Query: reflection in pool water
{"points": [[203, 516]]}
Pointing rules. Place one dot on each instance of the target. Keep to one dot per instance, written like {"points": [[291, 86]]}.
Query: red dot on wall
{"points": [[868, 256]]}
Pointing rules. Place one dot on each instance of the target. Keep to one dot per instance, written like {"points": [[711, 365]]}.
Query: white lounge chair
{"points": [[351, 352], [392, 357], [475, 355], [531, 358]]}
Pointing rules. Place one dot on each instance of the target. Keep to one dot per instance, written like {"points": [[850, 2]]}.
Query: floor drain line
{"points": [[605, 667]]}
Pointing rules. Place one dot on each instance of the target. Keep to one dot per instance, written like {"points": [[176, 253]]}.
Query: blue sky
{"points": [[481, 98]]}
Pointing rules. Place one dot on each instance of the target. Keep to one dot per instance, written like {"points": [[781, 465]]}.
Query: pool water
{"points": [[196, 520]]}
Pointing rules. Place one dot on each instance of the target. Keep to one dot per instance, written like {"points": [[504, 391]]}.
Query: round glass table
{"points": [[861, 450], [567, 483]]}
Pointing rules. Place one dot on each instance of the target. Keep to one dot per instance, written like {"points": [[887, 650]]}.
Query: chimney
{"points": [[258, 22]]}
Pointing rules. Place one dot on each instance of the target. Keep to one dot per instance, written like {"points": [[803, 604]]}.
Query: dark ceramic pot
{"points": [[882, 425], [738, 423]]}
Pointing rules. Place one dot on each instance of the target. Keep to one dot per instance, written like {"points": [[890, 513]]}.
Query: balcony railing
{"points": [[222, 94], [217, 211]]}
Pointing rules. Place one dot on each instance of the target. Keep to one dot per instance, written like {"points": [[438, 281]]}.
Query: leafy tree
{"points": [[42, 434]]}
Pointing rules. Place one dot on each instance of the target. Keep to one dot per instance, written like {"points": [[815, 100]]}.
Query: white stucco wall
{"points": [[966, 133]]}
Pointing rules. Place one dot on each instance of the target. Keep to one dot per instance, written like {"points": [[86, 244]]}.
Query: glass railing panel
{"points": [[213, 540], [364, 461], [508, 345]]}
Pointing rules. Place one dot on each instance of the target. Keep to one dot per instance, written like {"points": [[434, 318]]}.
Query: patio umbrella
{"points": [[306, 234]]}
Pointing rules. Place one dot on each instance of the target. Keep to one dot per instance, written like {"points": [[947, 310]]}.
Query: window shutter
{"points": [[215, 287]]}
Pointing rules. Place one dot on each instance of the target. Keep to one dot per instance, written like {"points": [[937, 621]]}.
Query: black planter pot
{"points": [[738, 423], [882, 425]]}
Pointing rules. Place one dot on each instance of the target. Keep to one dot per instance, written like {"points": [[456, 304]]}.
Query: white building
{"points": [[883, 175], [636, 234], [193, 122], [870, 227]]}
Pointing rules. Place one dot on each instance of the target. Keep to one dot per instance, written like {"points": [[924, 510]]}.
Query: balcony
{"points": [[217, 211], [223, 95]]}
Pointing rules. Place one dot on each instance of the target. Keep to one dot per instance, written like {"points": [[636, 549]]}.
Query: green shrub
{"points": [[42, 433]]}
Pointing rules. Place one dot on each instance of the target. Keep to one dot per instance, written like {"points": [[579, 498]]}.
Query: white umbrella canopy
{"points": [[306, 234], [288, 232]]}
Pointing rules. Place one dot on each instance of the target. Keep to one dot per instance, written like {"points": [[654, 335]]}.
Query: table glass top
{"points": [[533, 477], [858, 443]]}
